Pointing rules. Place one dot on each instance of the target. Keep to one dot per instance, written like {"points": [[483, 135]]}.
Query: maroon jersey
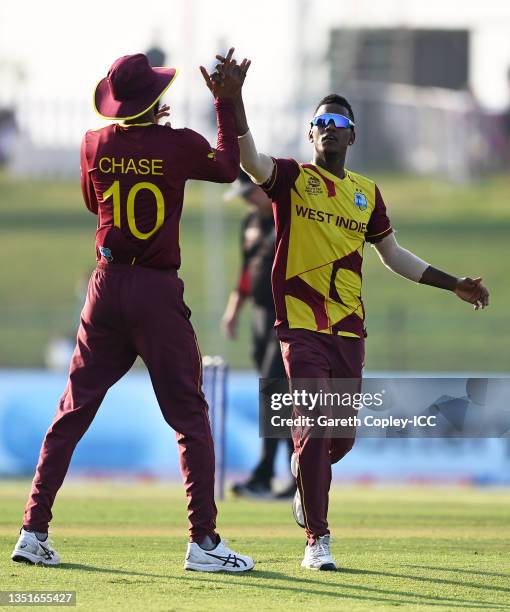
{"points": [[133, 178]]}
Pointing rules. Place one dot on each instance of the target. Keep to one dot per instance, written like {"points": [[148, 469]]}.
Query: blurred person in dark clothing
{"points": [[258, 243]]}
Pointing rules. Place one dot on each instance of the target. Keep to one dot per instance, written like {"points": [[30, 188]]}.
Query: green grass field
{"points": [[122, 548], [46, 245]]}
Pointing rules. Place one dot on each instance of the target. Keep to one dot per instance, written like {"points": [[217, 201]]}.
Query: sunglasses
{"points": [[339, 121]]}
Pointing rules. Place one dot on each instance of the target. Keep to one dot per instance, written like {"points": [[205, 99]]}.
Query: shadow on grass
{"points": [[107, 570], [260, 579], [373, 594], [460, 571], [439, 581]]}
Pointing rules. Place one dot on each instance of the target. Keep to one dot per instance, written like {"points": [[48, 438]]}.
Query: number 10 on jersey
{"points": [[114, 192]]}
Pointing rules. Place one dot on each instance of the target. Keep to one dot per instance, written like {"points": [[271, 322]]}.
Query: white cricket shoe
{"points": [[29, 549], [318, 556], [219, 559], [297, 506]]}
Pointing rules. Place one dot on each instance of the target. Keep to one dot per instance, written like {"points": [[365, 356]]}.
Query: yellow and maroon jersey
{"points": [[322, 223]]}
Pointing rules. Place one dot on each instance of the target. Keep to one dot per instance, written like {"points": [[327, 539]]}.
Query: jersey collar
{"points": [[327, 174], [125, 125]]}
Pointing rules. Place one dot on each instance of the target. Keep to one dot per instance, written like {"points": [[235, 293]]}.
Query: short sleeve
{"points": [[243, 283], [379, 225], [282, 179]]}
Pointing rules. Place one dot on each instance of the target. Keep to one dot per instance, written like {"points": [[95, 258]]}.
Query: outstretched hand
{"points": [[228, 78], [471, 290]]}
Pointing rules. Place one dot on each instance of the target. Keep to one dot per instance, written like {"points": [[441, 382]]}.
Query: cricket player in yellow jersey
{"points": [[324, 214]]}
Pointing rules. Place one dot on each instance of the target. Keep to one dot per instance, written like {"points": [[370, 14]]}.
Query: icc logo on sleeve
{"points": [[360, 200]]}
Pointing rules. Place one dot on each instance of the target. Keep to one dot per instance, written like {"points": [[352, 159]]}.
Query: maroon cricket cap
{"points": [[131, 87]]}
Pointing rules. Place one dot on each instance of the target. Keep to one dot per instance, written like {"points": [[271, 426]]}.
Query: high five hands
{"points": [[228, 78], [225, 82]]}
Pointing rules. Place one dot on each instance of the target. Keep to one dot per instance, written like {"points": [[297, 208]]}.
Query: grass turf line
{"points": [[123, 546]]}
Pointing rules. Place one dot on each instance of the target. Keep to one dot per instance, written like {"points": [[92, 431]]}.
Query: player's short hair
{"points": [[336, 99]]}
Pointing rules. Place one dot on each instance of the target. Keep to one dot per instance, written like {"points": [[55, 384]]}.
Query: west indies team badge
{"points": [[360, 200]]}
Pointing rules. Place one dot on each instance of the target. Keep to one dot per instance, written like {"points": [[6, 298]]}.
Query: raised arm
{"points": [[406, 264], [222, 163], [258, 165], [219, 164]]}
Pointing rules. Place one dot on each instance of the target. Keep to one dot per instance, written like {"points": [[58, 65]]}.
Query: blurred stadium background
{"points": [[430, 89]]}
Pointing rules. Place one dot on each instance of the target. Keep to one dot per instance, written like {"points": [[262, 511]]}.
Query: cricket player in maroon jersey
{"points": [[133, 175], [324, 214]]}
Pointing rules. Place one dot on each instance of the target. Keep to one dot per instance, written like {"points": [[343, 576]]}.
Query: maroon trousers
{"points": [[132, 311], [312, 355]]}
